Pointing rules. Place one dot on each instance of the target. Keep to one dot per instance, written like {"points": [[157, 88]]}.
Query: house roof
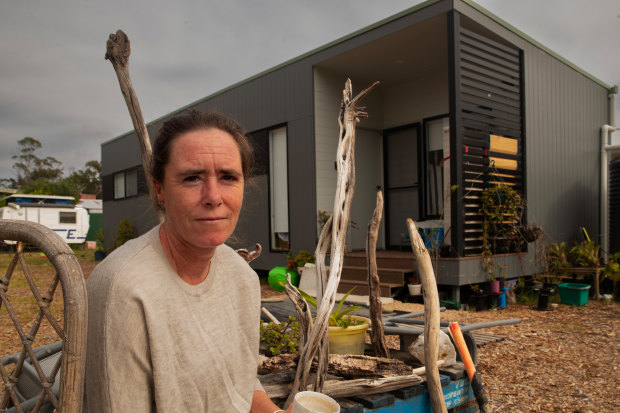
{"points": [[91, 204], [382, 22]]}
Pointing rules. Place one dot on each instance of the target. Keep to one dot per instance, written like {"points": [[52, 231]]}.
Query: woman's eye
{"points": [[231, 178]]}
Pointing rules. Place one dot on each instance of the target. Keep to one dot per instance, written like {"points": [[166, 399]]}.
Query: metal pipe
{"points": [[606, 131], [604, 218], [391, 329]]}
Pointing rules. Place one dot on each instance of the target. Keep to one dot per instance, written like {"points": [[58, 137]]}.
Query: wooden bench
{"points": [[583, 271]]}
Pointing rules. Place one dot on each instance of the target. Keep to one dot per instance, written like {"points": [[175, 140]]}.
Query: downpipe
{"points": [[606, 148]]}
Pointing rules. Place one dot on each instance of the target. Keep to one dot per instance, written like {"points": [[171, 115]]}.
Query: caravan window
{"points": [[67, 217]]}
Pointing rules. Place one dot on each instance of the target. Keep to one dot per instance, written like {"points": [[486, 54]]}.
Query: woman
{"points": [[173, 315]]}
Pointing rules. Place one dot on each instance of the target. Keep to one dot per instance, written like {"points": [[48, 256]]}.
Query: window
{"points": [[278, 185], [437, 134], [131, 182], [126, 184], [119, 185], [67, 217]]}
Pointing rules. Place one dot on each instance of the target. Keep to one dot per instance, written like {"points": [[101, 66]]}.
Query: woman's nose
{"points": [[211, 193]]}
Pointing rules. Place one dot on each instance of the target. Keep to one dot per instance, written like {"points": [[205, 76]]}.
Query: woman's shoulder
{"points": [[134, 256], [228, 258]]}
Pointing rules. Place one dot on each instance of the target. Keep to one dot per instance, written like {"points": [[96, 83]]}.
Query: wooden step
{"points": [[361, 287], [386, 275], [404, 262]]}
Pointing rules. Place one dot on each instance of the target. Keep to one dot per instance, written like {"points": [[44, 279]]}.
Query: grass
{"points": [[23, 302]]}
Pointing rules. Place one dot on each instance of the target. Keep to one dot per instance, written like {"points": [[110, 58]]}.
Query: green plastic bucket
{"points": [[573, 293]]}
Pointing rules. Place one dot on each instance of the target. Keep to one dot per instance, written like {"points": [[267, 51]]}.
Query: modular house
{"points": [[464, 99]]}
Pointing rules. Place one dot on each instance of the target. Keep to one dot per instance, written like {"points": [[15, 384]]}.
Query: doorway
{"points": [[402, 184]]}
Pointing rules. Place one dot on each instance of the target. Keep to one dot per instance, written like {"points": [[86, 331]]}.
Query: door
{"points": [[368, 177], [402, 185]]}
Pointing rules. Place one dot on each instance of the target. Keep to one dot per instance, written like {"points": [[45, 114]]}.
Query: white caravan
{"points": [[55, 212]]}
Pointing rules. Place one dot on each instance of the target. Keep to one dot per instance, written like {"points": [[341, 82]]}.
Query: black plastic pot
{"points": [[543, 297], [480, 301]]}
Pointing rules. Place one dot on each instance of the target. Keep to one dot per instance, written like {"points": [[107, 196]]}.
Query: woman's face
{"points": [[202, 189]]}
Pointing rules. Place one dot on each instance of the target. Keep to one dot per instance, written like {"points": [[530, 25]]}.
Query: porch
{"points": [[395, 267]]}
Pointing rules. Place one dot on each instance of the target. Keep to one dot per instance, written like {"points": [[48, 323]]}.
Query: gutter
{"points": [[606, 148]]}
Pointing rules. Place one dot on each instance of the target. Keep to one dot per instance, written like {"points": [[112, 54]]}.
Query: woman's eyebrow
{"points": [[226, 171], [191, 172]]}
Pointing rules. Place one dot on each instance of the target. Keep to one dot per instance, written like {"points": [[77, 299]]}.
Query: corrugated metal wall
{"points": [[564, 110]]}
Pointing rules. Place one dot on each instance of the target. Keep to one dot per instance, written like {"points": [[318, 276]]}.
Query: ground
{"points": [[565, 360]]}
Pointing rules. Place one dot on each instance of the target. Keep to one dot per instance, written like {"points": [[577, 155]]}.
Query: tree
{"points": [[88, 180], [44, 186], [29, 167]]}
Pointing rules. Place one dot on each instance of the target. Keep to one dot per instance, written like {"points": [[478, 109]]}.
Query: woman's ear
{"points": [[158, 192]]}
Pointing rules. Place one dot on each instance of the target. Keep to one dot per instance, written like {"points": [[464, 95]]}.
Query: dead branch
{"points": [[347, 388], [250, 256], [304, 315], [117, 52], [347, 366], [317, 342], [431, 317], [377, 336]]}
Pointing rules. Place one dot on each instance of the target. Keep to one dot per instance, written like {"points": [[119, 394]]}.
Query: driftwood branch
{"points": [[345, 161], [431, 317], [117, 52], [347, 388], [377, 336], [304, 315], [347, 366], [250, 256]]}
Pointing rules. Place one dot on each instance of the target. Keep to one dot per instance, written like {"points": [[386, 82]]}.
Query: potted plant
{"points": [[414, 286], [282, 338], [480, 299], [299, 261], [347, 333], [99, 249]]}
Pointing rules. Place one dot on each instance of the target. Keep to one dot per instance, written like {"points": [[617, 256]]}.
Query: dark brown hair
{"points": [[189, 122]]}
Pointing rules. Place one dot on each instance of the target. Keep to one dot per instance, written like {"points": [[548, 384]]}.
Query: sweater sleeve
{"points": [[119, 376]]}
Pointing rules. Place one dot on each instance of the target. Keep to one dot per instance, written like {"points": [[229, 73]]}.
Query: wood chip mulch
{"points": [[565, 360]]}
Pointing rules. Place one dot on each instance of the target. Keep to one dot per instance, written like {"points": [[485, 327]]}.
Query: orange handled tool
{"points": [[474, 377]]}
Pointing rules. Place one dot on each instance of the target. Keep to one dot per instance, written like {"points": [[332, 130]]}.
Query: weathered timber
{"points": [[250, 256], [347, 388], [431, 317], [377, 337], [117, 52], [345, 162], [346, 366]]}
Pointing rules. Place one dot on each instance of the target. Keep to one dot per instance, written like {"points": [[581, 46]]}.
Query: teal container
{"points": [[501, 302], [277, 278], [573, 293]]}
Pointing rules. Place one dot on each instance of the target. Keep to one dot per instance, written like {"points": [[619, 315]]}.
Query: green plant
{"points": [[612, 269], [502, 208], [99, 242], [126, 231], [556, 257], [585, 253], [299, 260], [339, 317], [280, 338]]}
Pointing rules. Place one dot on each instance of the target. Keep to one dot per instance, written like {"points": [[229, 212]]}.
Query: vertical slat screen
{"points": [[491, 119]]}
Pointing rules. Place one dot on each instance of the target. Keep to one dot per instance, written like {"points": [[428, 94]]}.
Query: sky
{"points": [[57, 87]]}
